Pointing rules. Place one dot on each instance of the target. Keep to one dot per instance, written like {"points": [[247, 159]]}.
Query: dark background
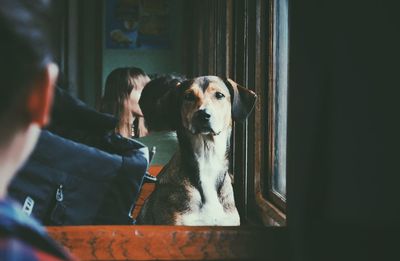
{"points": [[343, 129]]}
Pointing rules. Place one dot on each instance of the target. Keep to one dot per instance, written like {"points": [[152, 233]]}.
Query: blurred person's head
{"points": [[27, 76], [157, 89], [121, 97]]}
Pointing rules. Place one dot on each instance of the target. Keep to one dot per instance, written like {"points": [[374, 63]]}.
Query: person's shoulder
{"points": [[23, 238], [12, 248]]}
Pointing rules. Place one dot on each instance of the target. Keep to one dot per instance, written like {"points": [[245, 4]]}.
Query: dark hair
{"points": [[155, 90], [118, 88], [25, 46]]}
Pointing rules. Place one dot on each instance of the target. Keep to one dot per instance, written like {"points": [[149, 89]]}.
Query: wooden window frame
{"points": [[254, 155]]}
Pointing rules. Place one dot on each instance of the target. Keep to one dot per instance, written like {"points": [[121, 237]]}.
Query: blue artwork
{"points": [[137, 24]]}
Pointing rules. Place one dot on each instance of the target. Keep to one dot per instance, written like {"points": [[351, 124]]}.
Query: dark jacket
{"points": [[71, 118], [89, 176]]}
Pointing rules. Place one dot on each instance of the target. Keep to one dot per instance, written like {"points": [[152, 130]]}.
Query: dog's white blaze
{"points": [[211, 159]]}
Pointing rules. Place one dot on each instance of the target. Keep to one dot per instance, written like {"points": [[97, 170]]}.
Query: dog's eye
{"points": [[219, 95], [189, 96]]}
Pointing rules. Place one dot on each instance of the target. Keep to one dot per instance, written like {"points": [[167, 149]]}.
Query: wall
{"points": [[86, 61], [151, 61]]}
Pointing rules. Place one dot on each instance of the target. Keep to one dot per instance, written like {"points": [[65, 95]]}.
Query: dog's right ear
{"points": [[159, 105], [243, 100]]}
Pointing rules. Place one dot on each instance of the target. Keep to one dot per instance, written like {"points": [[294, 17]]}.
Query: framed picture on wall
{"points": [[137, 24]]}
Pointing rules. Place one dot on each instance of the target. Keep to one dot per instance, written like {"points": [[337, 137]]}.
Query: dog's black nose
{"points": [[203, 115]]}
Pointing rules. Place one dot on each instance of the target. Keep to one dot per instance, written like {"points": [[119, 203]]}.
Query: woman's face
{"points": [[134, 97]]}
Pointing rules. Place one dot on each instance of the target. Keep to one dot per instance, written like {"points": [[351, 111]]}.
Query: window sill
{"points": [[168, 242]]}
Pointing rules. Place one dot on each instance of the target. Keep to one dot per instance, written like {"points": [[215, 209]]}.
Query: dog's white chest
{"points": [[209, 211], [209, 214]]}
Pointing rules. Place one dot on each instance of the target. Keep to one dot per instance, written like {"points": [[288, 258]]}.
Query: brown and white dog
{"points": [[195, 187]]}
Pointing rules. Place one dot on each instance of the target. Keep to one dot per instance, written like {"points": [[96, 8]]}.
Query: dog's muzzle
{"points": [[202, 124], [202, 116]]}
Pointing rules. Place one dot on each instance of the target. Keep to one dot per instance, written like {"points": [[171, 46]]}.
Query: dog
{"points": [[195, 188]]}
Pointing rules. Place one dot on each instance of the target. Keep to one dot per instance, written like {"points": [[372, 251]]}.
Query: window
{"points": [[278, 101], [246, 40]]}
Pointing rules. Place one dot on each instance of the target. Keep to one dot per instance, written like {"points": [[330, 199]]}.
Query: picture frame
{"points": [[137, 24]]}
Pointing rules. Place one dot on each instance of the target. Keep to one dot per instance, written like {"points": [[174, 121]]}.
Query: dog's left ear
{"points": [[243, 100]]}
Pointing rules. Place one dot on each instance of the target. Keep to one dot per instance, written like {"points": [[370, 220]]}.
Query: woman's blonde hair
{"points": [[119, 85]]}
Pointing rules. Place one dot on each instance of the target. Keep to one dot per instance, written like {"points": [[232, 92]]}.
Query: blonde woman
{"points": [[121, 98]]}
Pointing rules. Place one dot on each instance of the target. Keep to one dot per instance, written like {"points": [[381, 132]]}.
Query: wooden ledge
{"points": [[167, 242]]}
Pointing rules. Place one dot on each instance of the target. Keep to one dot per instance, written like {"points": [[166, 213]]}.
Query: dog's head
{"points": [[203, 105]]}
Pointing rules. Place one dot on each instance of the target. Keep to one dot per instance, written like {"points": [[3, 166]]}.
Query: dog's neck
{"points": [[205, 158], [210, 147]]}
